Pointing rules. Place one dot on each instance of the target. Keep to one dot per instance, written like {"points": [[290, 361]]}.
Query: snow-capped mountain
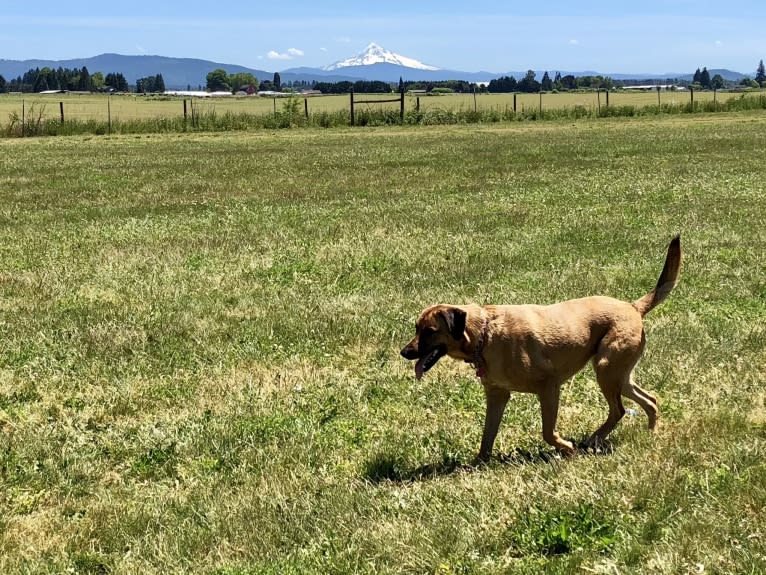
{"points": [[375, 54]]}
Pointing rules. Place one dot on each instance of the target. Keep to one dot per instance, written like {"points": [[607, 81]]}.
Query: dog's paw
{"points": [[593, 442], [481, 460], [597, 444], [566, 448]]}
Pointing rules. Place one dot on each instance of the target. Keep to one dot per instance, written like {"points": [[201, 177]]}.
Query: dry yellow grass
{"points": [[132, 107]]}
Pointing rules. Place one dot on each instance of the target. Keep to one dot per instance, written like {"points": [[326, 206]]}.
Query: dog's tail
{"points": [[667, 281]]}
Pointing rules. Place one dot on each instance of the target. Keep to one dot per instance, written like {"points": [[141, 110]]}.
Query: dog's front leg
{"points": [[549, 405], [497, 399]]}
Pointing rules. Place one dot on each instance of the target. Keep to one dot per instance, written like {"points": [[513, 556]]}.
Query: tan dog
{"points": [[535, 349]]}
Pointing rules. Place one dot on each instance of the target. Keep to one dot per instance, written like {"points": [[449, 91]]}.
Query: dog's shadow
{"points": [[386, 467], [391, 468]]}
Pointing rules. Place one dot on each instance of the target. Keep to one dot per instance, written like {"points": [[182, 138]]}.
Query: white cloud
{"points": [[343, 40], [574, 42], [289, 55], [323, 49], [718, 43]]}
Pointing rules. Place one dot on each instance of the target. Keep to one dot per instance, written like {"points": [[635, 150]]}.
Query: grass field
{"points": [[86, 107], [199, 367]]}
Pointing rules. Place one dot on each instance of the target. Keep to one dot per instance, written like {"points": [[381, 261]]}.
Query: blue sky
{"points": [[649, 36]]}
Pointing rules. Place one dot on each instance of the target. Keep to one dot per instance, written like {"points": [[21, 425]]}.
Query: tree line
{"points": [[530, 84], [77, 80], [703, 80]]}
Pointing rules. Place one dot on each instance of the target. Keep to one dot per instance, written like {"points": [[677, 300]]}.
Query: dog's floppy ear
{"points": [[455, 320]]}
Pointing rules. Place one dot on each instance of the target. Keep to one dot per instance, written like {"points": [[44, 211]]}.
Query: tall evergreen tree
{"points": [[41, 84], [547, 84], [84, 83], [697, 75], [528, 83], [760, 74], [705, 78], [117, 82], [277, 82]]}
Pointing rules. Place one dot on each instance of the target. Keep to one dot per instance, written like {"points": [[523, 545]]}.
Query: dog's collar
{"points": [[478, 359]]}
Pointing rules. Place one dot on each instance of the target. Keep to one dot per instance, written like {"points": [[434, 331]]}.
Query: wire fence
{"points": [[26, 115]]}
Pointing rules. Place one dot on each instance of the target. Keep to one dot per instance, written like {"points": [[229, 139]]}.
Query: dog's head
{"points": [[439, 331]]}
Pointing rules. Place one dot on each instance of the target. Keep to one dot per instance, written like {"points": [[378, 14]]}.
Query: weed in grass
{"points": [[555, 532]]}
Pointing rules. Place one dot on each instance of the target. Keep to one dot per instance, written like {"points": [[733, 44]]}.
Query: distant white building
{"points": [[196, 93], [655, 86]]}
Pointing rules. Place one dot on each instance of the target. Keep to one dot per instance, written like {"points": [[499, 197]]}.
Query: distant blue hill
{"points": [[386, 72], [178, 73]]}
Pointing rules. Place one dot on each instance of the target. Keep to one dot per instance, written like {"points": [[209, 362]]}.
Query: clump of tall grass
{"points": [[30, 123]]}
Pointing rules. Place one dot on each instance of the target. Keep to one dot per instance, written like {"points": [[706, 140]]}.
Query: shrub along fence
{"points": [[293, 112]]}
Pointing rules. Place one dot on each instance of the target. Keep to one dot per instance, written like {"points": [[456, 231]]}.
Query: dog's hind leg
{"points": [[614, 361], [611, 387], [617, 355], [647, 401]]}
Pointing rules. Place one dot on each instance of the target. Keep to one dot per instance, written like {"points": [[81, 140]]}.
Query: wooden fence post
{"points": [[61, 111], [352, 106], [23, 118], [474, 100], [185, 113], [514, 102], [417, 103], [401, 106], [598, 100], [109, 114], [607, 98], [306, 107], [691, 94], [658, 97], [541, 103]]}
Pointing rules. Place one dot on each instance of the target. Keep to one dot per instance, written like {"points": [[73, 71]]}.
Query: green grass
{"points": [[199, 365]]}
